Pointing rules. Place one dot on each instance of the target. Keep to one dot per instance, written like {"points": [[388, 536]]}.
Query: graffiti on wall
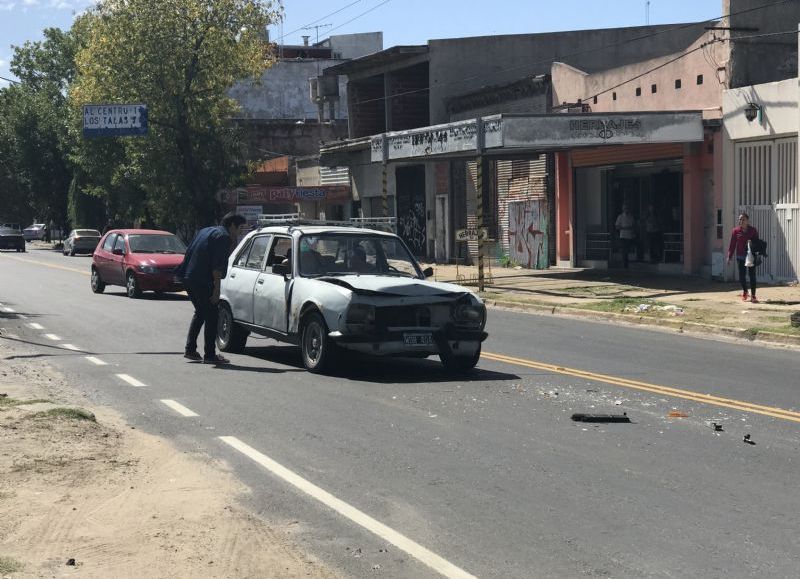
{"points": [[527, 233], [411, 227]]}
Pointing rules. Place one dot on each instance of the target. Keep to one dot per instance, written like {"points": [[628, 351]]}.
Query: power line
{"points": [[9, 80], [334, 13], [359, 16], [579, 52]]}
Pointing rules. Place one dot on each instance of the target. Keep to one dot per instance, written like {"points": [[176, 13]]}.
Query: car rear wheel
{"points": [[231, 337], [72, 252], [317, 348], [459, 363], [97, 284], [132, 286]]}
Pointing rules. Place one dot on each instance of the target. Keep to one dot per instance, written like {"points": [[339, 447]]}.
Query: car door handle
{"points": [[261, 281], [233, 275]]}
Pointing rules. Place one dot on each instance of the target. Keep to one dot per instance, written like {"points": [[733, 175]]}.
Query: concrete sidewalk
{"points": [[681, 302]]}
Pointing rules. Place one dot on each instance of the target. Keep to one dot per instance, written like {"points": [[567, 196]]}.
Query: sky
{"points": [[402, 21]]}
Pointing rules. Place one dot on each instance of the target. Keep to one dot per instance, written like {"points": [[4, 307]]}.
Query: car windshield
{"points": [[87, 233], [8, 231], [355, 254], [155, 243]]}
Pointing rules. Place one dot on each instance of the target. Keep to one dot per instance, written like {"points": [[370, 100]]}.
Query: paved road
{"points": [[487, 473]]}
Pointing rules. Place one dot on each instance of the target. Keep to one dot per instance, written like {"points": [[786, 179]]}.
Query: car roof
{"points": [[141, 231]]}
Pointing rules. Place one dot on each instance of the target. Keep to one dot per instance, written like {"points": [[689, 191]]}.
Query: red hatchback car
{"points": [[139, 260]]}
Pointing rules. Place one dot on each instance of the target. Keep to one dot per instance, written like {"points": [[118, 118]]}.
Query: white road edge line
{"points": [[52, 337], [429, 558], [130, 380], [179, 408], [70, 347], [96, 361], [35, 326]]}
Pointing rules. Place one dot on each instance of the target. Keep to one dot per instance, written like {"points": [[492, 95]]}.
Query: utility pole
{"points": [[647, 12], [316, 28]]}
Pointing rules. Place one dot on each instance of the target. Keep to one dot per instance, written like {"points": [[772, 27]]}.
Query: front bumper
{"points": [[392, 342], [158, 282]]}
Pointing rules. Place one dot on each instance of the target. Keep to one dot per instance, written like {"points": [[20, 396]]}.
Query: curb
{"points": [[676, 324]]}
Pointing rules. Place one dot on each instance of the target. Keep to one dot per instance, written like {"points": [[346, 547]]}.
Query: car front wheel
{"points": [[231, 337], [459, 363], [317, 348], [97, 284], [132, 286]]}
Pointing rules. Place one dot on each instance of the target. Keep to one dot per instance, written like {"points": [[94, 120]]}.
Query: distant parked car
{"points": [[11, 239], [34, 231], [11, 226], [139, 260], [81, 241]]}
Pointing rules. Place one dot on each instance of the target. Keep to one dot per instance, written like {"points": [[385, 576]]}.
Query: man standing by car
{"points": [[204, 265]]}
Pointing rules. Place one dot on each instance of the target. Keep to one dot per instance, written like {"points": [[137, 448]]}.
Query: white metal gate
{"points": [[766, 189]]}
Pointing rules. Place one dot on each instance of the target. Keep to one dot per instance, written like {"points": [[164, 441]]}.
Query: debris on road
{"points": [[601, 417], [715, 426], [71, 562], [677, 414], [748, 440]]}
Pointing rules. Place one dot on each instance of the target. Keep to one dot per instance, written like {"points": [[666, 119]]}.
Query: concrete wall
{"points": [[283, 92], [264, 139], [462, 65], [348, 46], [768, 58], [571, 84]]}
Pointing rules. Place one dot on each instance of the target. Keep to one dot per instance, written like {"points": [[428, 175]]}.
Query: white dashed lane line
{"points": [[72, 347], [131, 380], [179, 408], [429, 558], [96, 361], [52, 337], [35, 326]]}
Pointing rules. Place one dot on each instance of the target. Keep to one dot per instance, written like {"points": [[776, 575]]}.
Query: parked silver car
{"points": [[34, 231], [81, 241], [329, 288]]}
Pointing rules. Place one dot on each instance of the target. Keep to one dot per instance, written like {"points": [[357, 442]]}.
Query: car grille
{"points": [[404, 317]]}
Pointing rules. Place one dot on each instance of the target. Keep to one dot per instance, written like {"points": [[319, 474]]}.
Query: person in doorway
{"points": [[741, 236], [358, 260], [204, 265], [655, 237], [626, 228]]}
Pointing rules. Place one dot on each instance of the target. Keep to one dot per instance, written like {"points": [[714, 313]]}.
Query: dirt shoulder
{"points": [[76, 482]]}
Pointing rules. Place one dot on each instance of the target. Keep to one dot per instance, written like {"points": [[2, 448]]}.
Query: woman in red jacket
{"points": [[740, 237]]}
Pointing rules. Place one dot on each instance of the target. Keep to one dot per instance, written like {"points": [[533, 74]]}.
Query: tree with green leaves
{"points": [[180, 57]]}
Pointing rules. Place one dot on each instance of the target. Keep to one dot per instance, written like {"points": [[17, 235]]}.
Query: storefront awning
{"points": [[521, 134]]}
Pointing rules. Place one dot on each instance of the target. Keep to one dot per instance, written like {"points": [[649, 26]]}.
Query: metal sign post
{"points": [[479, 209]]}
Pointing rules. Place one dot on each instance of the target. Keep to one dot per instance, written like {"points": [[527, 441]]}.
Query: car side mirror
{"points": [[280, 269], [427, 272], [118, 251]]}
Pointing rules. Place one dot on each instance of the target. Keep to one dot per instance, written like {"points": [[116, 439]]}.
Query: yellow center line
{"points": [[648, 387], [51, 265]]}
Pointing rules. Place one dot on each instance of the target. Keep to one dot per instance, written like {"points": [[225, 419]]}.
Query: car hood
{"points": [[158, 259], [393, 286]]}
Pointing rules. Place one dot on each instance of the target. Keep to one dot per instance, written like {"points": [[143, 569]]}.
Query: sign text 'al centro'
{"points": [[114, 120]]}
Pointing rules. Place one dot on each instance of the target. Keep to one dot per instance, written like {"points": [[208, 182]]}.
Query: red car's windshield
{"points": [[154, 243]]}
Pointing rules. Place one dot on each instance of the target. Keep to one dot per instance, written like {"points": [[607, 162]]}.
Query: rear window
{"points": [[87, 232], [8, 231], [153, 243]]}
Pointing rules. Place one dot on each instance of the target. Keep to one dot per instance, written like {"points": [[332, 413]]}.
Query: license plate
{"points": [[424, 339]]}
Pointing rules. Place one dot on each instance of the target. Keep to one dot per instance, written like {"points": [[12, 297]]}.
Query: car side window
{"points": [[120, 243], [241, 259], [281, 250], [108, 244], [257, 252]]}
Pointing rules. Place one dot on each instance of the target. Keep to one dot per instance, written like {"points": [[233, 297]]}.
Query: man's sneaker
{"points": [[754, 300], [744, 296], [215, 359], [194, 356]]}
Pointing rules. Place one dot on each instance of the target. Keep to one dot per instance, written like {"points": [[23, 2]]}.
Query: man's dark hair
{"points": [[232, 219]]}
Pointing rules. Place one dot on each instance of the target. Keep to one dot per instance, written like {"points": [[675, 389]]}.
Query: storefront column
{"points": [[564, 211], [694, 242]]}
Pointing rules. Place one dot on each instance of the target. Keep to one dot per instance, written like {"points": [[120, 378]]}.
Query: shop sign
{"points": [[472, 234], [453, 138], [250, 212], [265, 195]]}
